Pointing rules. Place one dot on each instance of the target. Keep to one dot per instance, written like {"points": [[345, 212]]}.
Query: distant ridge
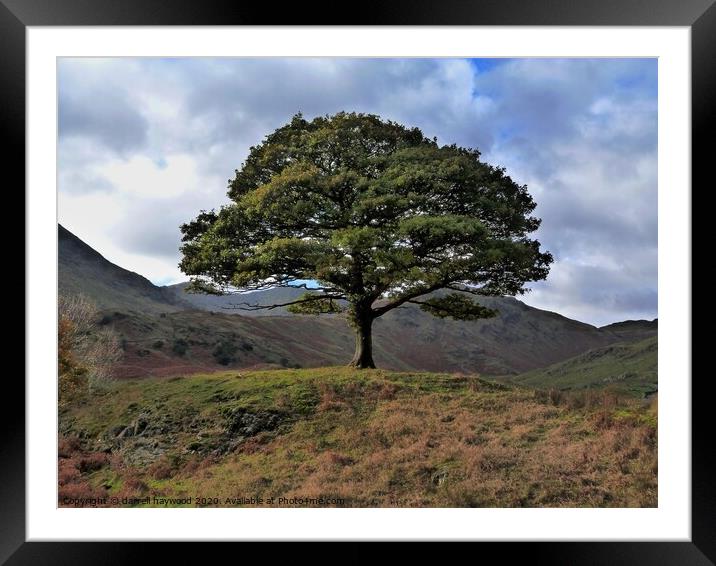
{"points": [[84, 270], [633, 329], [629, 367], [230, 304], [166, 331]]}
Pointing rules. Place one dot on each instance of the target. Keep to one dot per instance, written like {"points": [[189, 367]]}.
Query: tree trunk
{"points": [[363, 357]]}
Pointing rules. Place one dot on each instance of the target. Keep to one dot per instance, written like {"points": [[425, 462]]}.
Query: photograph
{"points": [[396, 275], [357, 282]]}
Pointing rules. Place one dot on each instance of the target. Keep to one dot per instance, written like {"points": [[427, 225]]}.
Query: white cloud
{"points": [[147, 143], [142, 177]]}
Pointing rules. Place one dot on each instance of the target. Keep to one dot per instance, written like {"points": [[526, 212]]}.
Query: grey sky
{"points": [[144, 144]]}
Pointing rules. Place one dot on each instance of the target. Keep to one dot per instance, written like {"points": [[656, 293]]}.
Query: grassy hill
{"points": [[353, 439], [197, 341], [172, 342], [625, 367], [633, 330], [520, 338]]}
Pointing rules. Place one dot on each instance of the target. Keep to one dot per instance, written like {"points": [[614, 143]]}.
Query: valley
{"points": [[165, 331]]}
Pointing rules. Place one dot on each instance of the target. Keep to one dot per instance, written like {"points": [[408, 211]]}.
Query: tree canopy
{"points": [[377, 214]]}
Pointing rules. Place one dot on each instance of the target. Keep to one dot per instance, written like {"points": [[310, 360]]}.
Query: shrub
{"points": [[555, 396], [68, 445], [158, 344], [180, 346], [87, 353], [81, 490], [163, 469], [541, 396], [132, 487], [224, 352], [67, 471], [91, 462], [576, 399]]}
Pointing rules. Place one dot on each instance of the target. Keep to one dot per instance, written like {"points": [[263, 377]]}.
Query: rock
{"points": [[140, 424], [194, 446], [114, 431], [227, 447], [243, 423], [103, 447], [439, 477], [141, 455], [127, 432]]}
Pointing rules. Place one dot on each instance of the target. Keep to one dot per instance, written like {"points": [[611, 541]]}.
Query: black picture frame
{"points": [[699, 15]]}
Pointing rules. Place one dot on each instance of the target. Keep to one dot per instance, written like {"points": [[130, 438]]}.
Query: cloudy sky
{"points": [[145, 144]]}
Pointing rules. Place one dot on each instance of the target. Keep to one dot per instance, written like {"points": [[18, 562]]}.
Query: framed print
{"points": [[391, 279]]}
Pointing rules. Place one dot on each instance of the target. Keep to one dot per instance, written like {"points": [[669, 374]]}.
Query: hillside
{"points": [[165, 331], [625, 367], [520, 338], [633, 329], [83, 270], [344, 438], [229, 304]]}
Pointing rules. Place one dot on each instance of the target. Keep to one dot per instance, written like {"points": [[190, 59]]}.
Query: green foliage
{"points": [[373, 211], [314, 303], [455, 305], [180, 346], [224, 352], [368, 208]]}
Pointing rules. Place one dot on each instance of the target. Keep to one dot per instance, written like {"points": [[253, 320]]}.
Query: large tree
{"points": [[377, 215]]}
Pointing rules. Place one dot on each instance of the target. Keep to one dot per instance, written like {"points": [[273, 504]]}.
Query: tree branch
{"points": [[455, 306], [257, 307], [466, 289], [380, 311], [275, 285], [446, 311], [414, 302]]}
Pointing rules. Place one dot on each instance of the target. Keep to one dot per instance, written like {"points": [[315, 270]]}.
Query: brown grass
{"points": [[74, 465], [381, 443], [433, 452]]}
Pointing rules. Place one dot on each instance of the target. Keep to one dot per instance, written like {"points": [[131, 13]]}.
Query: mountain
{"points": [[230, 304], [166, 331], [83, 270], [627, 367], [519, 339]]}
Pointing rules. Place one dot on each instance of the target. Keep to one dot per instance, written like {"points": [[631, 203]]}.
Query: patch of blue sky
{"points": [[486, 64], [310, 283]]}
